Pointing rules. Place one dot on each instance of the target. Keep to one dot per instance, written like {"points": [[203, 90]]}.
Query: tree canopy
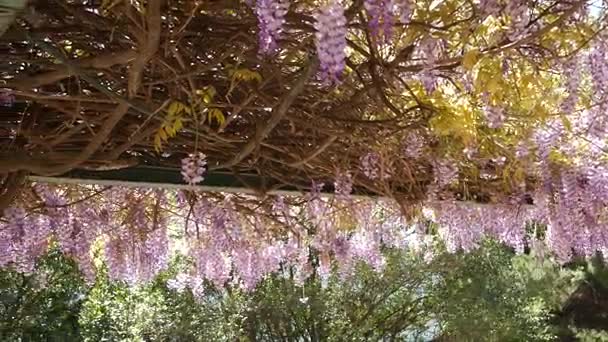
{"points": [[487, 294]]}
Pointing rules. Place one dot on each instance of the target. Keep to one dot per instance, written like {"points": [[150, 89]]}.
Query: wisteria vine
{"points": [[232, 243]]}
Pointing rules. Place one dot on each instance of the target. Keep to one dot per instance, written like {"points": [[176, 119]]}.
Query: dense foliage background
{"points": [[489, 294]]}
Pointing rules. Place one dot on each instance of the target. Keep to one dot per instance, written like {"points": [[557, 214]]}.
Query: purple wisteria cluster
{"points": [[489, 7], [330, 40], [271, 19], [598, 70], [446, 171], [573, 215], [129, 229], [193, 168], [228, 247], [463, 226], [137, 250], [519, 14], [136, 243], [494, 116], [381, 19], [344, 184], [572, 73], [413, 145], [23, 240], [430, 51], [370, 165], [404, 9]]}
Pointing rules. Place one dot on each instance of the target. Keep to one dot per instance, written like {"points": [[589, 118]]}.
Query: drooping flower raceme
{"points": [[598, 68], [404, 9], [330, 40], [572, 73], [271, 18], [518, 12], [225, 250], [343, 184], [193, 168], [370, 165], [413, 146], [446, 172], [494, 116], [381, 19], [430, 50], [489, 7]]}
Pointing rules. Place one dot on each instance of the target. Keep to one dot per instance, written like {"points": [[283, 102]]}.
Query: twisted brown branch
{"points": [[102, 61], [149, 45], [277, 115], [42, 166]]}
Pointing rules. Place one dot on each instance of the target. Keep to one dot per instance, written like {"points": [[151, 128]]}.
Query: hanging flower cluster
{"points": [[381, 19], [598, 70], [495, 116], [489, 7], [573, 79], [446, 172], [137, 250], [193, 168], [330, 40], [518, 12], [413, 146], [344, 184], [271, 18], [232, 248], [404, 9], [370, 165]]}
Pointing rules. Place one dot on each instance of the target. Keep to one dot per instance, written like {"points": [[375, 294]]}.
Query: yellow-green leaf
{"points": [[158, 144], [162, 134], [170, 131], [215, 113], [206, 93], [493, 85], [566, 122], [177, 124], [173, 108], [470, 59], [246, 75]]}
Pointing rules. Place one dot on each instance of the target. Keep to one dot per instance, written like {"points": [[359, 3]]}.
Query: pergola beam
{"points": [[169, 178]]}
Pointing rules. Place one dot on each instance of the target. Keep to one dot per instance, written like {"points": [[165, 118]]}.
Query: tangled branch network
{"points": [[492, 113]]}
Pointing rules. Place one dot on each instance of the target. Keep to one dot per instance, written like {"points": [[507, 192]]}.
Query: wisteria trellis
{"points": [[231, 242]]}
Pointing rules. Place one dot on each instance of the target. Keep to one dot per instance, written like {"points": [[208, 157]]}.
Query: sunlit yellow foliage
{"points": [[204, 105], [206, 94], [172, 123], [244, 74], [215, 114]]}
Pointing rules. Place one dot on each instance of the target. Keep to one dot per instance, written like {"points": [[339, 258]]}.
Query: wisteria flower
{"points": [[330, 40], [193, 168], [381, 19], [370, 165], [495, 116], [413, 145], [343, 184], [271, 18]]}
